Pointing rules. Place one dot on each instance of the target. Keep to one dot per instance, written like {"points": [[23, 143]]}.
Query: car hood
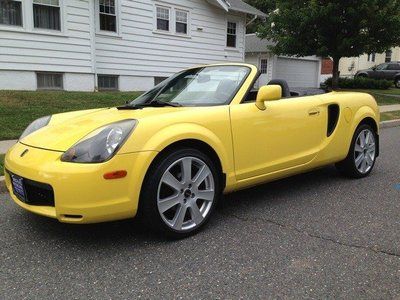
{"points": [[66, 129], [365, 71]]}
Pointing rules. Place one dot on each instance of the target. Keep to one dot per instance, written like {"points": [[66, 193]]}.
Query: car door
{"points": [[392, 70], [288, 133], [380, 71]]}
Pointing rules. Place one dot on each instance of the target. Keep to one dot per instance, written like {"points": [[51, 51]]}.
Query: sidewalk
{"points": [[388, 108], [5, 145]]}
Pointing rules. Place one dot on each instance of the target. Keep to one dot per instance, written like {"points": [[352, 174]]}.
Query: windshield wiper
{"points": [[154, 103]]}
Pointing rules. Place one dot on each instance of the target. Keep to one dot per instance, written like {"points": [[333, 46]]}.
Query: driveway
{"points": [[315, 235]]}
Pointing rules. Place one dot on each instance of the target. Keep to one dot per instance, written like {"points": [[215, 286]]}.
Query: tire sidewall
{"points": [[148, 208], [397, 83]]}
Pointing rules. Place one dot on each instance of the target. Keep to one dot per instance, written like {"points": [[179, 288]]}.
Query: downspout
{"points": [[93, 43], [252, 20]]}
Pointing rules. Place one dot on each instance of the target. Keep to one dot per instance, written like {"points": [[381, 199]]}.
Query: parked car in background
{"points": [[388, 71]]}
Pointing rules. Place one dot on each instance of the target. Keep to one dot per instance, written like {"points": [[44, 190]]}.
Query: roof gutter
{"points": [[221, 3]]}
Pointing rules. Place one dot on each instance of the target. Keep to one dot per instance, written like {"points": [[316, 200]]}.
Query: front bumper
{"points": [[81, 194]]}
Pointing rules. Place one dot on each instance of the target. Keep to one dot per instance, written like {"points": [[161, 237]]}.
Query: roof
{"points": [[241, 6], [255, 44], [238, 6]]}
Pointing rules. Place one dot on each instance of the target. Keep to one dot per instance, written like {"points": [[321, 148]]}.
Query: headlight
{"points": [[35, 125], [100, 145]]}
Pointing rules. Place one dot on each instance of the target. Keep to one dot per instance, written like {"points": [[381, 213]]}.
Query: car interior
{"points": [[286, 92]]}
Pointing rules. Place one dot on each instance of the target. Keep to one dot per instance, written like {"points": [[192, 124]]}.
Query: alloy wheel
{"points": [[185, 194], [364, 151]]}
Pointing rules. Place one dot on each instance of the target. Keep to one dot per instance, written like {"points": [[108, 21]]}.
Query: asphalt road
{"points": [[315, 235]]}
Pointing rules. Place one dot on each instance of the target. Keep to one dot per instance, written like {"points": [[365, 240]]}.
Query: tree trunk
{"points": [[336, 73]]}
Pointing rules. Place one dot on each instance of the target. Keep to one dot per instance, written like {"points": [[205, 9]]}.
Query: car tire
{"points": [[397, 82], [181, 205], [362, 154]]}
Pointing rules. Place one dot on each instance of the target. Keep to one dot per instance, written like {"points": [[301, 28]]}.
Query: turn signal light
{"points": [[115, 175]]}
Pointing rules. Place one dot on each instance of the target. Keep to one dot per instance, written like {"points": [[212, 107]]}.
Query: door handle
{"points": [[313, 112]]}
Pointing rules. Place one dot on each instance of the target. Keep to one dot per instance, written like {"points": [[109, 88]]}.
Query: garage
{"points": [[298, 72]]}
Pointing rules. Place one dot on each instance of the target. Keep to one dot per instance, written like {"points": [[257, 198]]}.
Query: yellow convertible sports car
{"points": [[168, 156]]}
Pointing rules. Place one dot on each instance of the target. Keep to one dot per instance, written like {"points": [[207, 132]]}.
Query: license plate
{"points": [[18, 187]]}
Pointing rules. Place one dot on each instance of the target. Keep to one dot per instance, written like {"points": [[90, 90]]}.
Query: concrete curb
{"points": [[3, 188], [384, 124]]}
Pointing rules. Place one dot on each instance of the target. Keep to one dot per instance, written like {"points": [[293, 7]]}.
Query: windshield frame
{"points": [[161, 87]]}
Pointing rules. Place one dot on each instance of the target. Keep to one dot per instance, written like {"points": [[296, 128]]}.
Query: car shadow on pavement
{"points": [[129, 232]]}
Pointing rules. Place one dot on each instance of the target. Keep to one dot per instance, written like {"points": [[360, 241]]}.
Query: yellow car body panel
{"points": [[254, 146]]}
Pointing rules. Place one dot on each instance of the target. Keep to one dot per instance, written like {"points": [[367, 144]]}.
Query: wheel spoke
{"points": [[359, 160], [171, 180], [187, 170], [357, 148], [371, 146], [201, 175], [367, 138], [195, 213], [206, 195], [369, 159], [168, 203], [364, 165], [179, 217], [362, 139]]}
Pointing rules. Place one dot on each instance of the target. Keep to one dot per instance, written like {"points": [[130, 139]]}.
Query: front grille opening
{"points": [[37, 193]]}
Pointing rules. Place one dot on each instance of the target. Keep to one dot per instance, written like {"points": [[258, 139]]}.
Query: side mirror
{"points": [[268, 93]]}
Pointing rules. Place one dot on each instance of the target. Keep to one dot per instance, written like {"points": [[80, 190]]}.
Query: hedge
{"points": [[361, 83]]}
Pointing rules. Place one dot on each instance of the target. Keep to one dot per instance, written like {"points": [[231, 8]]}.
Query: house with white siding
{"points": [[85, 45]]}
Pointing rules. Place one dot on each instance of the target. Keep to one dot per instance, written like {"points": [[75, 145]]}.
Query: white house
{"points": [[307, 71], [82, 45]]}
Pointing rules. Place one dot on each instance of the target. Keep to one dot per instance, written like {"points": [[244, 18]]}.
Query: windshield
{"points": [[213, 85]]}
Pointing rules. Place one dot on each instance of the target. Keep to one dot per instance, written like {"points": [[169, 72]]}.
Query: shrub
{"points": [[361, 83]]}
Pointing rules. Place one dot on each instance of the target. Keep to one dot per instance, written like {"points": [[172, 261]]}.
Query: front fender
{"points": [[185, 131]]}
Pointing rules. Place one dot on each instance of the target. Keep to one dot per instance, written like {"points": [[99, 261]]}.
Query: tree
{"points": [[265, 6], [332, 28]]}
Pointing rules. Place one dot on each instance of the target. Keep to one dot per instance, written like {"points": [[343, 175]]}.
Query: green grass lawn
{"points": [[392, 115], [380, 95], [2, 164], [18, 108]]}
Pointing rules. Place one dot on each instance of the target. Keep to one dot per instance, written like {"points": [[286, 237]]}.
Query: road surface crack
{"points": [[317, 236]]}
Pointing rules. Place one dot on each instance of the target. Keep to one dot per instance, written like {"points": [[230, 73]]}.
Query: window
{"points": [[11, 13], [49, 81], [231, 35], [393, 67], [46, 14], [107, 82], [382, 67], [181, 25], [388, 56], [158, 80], [108, 16], [162, 18], [371, 57], [263, 66]]}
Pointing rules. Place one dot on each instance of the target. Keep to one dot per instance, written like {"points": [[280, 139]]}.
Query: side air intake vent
{"points": [[333, 117]]}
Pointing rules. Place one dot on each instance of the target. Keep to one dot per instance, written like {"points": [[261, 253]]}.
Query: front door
{"points": [[285, 135]]}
